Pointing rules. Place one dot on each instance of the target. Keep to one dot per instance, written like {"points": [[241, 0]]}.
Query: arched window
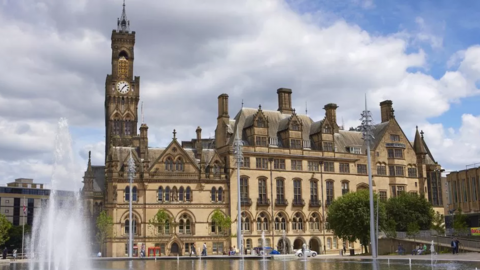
{"points": [[188, 194], [167, 194], [213, 194], [160, 194], [327, 129], [315, 222], [127, 226], [179, 165], [169, 164], [280, 222], [262, 222], [174, 197], [134, 194], [220, 194], [127, 194], [295, 126], [216, 168], [184, 226], [181, 194], [245, 222], [260, 122], [167, 227], [297, 222]]}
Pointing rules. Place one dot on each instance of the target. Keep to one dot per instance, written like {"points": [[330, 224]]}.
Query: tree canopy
{"points": [[5, 226], [349, 216], [438, 223], [408, 207], [160, 219], [460, 224], [221, 220], [104, 228]]}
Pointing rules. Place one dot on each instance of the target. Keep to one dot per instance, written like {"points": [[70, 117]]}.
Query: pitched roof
{"points": [[418, 144], [99, 178]]}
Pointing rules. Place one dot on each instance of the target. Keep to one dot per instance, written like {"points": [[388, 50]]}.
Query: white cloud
{"points": [[189, 52]]}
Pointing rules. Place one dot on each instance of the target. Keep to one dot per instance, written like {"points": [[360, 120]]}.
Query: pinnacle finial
{"points": [[123, 24], [89, 155], [174, 134], [260, 106], [421, 133]]}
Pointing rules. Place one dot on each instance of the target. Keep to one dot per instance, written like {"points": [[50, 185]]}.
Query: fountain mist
{"points": [[58, 240]]}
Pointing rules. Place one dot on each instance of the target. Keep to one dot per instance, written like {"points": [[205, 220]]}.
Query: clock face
{"points": [[123, 87]]}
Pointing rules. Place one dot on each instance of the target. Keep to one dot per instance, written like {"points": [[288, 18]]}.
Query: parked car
{"points": [[308, 252], [261, 251]]}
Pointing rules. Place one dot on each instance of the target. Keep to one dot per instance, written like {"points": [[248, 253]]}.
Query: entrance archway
{"points": [[283, 245], [315, 245], [298, 243], [175, 249]]}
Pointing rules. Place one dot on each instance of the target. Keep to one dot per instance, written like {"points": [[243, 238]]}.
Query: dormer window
{"points": [[260, 123], [327, 129], [295, 126], [354, 150]]}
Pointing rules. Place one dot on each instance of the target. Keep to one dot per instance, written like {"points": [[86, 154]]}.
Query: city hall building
{"points": [[293, 168]]}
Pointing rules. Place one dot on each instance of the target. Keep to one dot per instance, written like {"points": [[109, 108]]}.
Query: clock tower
{"points": [[122, 89]]}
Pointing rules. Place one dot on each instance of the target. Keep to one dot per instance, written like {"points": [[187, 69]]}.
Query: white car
{"points": [[308, 252]]}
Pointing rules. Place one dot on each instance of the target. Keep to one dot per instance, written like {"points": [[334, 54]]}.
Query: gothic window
{"points": [[128, 127], [280, 190], [262, 190], [184, 226], [244, 189], [245, 222], [213, 194], [315, 222], [188, 194], [260, 122], [160, 194], [313, 191], [127, 226], [169, 164], [127, 194], [262, 222], [327, 129], [295, 126], [117, 125], [297, 222], [167, 194], [220, 194], [345, 187], [329, 192], [181, 194], [179, 165], [216, 168], [297, 191], [280, 222], [134, 194]]}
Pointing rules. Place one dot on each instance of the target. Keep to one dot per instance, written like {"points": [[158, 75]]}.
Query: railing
{"points": [[307, 144], [315, 203], [246, 201], [273, 141], [263, 202], [298, 202], [281, 202]]}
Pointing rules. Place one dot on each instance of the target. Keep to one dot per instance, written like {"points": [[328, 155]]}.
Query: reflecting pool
{"points": [[287, 264]]}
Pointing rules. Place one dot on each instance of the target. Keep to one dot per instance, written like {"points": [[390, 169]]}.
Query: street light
{"points": [[131, 175], [320, 163], [368, 137]]}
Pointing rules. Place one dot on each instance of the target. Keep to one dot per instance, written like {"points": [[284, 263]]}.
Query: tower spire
{"points": [[123, 24]]}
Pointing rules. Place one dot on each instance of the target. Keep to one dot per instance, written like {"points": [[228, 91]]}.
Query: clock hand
{"points": [[123, 87]]}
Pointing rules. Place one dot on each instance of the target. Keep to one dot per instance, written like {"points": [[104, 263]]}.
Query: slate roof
{"points": [[99, 178]]}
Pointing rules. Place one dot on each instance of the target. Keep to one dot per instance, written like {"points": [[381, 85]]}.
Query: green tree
{"points": [[104, 229], [407, 207], [412, 229], [349, 217], [390, 232], [460, 224], [438, 223], [161, 218], [16, 235], [221, 220], [5, 226]]}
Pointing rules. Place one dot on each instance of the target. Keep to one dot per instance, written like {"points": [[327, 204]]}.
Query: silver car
{"points": [[308, 252]]}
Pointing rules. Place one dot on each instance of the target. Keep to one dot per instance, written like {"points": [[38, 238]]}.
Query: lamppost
{"points": [[239, 158], [272, 201], [131, 175], [368, 137], [323, 206]]}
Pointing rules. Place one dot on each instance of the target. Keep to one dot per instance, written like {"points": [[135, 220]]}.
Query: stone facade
{"points": [[293, 168]]}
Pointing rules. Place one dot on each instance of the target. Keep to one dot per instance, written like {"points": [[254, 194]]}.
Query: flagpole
{"points": [[23, 228]]}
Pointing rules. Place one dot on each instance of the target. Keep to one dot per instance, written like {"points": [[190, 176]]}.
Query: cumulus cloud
{"points": [[189, 52]]}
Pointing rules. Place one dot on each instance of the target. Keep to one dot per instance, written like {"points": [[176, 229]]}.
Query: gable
{"points": [[174, 151]]}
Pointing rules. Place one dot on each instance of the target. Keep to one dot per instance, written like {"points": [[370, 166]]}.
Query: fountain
{"points": [[263, 252], [432, 253], [59, 231]]}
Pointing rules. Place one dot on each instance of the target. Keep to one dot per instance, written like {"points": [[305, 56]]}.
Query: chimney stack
{"points": [[386, 110], [198, 143], [223, 106], [144, 141], [331, 114], [285, 100]]}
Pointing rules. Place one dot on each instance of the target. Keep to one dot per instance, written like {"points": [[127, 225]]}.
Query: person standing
{"points": [[344, 248], [5, 250], [204, 251], [453, 245], [457, 244]]}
